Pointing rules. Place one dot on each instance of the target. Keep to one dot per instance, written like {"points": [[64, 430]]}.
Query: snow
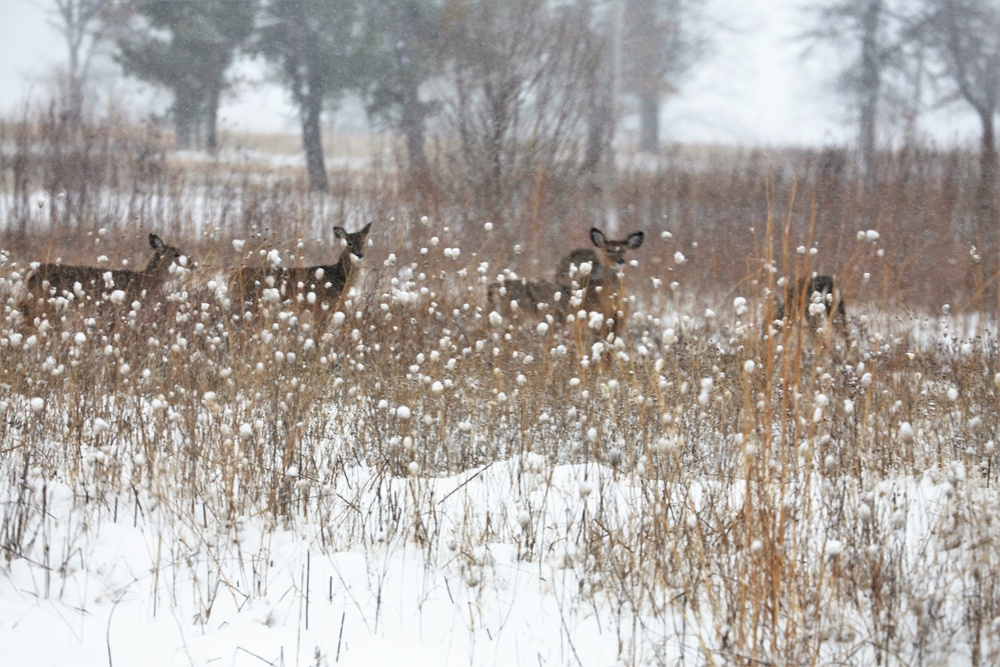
{"points": [[455, 582], [145, 590]]}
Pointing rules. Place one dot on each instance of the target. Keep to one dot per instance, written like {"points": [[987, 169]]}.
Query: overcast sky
{"points": [[756, 90]]}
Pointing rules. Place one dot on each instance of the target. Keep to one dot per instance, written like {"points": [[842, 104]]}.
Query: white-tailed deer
{"points": [[815, 300], [534, 299], [52, 287], [585, 280], [316, 289]]}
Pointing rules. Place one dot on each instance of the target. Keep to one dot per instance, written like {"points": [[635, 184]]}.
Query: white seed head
{"points": [[906, 432]]}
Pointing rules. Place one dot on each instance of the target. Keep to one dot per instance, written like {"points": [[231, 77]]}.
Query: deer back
{"points": [[318, 288], [521, 297], [813, 299], [92, 284]]}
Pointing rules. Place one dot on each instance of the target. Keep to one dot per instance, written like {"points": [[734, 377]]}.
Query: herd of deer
{"points": [[587, 287]]}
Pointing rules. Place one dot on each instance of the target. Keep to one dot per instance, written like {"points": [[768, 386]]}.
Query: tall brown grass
{"points": [[772, 465]]}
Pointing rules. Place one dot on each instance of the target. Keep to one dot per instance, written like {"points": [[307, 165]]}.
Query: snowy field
{"points": [[421, 480], [410, 488], [502, 576], [154, 589]]}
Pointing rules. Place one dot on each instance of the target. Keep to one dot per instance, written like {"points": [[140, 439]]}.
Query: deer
{"points": [[813, 299], [51, 287], [535, 299], [316, 289], [584, 280]]}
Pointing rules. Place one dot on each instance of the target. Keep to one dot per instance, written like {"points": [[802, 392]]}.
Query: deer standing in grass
{"points": [[316, 289], [52, 287], [585, 281], [814, 299]]}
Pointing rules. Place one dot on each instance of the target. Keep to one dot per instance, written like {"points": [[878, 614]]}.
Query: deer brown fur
{"points": [[585, 280], [47, 284], [814, 299], [315, 289], [531, 298]]}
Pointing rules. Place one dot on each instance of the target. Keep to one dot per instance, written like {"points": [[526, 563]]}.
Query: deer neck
{"points": [[612, 278], [158, 268], [345, 266]]}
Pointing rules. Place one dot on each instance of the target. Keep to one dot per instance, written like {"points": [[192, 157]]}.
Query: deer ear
{"points": [[597, 237], [156, 243], [635, 240], [365, 229], [340, 232]]}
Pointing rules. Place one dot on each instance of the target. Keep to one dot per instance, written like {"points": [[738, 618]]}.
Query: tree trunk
{"points": [[870, 84], [412, 124], [985, 203], [312, 140], [187, 114], [598, 160], [184, 132], [643, 71], [649, 129], [212, 120], [75, 83], [602, 90], [407, 29]]}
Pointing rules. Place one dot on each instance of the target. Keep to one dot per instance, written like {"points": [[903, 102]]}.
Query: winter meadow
{"points": [[499, 395]]}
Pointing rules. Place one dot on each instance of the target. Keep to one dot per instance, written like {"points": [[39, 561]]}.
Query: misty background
{"points": [[704, 117], [754, 86]]}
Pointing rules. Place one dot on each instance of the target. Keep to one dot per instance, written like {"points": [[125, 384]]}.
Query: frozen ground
{"points": [[145, 589], [488, 567], [418, 485]]}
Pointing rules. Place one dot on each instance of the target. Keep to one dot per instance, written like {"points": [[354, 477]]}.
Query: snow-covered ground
{"points": [[494, 566], [147, 589], [418, 485]]}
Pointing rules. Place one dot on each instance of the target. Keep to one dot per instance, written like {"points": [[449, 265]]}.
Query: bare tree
{"points": [[663, 41], [81, 23], [598, 162], [965, 37], [519, 77], [871, 37]]}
